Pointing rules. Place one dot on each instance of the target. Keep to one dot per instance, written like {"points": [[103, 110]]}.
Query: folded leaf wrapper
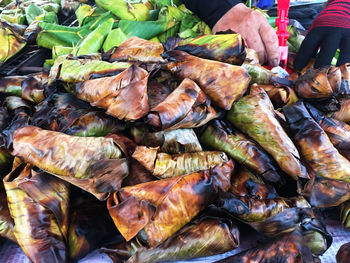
{"points": [[345, 214], [40, 241], [314, 144], [223, 83], [338, 132], [146, 209], [228, 48], [167, 166], [118, 94], [344, 113], [220, 136], [255, 116], [319, 83], [324, 192], [10, 43], [186, 107], [6, 221], [65, 113], [74, 70], [201, 238], [171, 142], [289, 248], [90, 163], [137, 49]]}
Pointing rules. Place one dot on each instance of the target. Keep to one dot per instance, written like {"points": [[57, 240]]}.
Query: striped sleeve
{"points": [[210, 11], [336, 14]]}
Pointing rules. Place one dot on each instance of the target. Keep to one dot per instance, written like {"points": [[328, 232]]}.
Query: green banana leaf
{"points": [[32, 12], [162, 3], [114, 39], [93, 42], [13, 16], [124, 10], [79, 70], [145, 29]]}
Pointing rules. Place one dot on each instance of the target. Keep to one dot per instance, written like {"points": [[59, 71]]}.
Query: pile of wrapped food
{"points": [[155, 151]]}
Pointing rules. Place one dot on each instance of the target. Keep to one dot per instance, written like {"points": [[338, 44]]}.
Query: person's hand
{"points": [[255, 30], [329, 31]]}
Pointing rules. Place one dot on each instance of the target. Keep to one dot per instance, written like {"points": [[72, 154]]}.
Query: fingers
{"points": [[328, 47], [270, 42], [308, 48], [344, 55], [255, 42]]}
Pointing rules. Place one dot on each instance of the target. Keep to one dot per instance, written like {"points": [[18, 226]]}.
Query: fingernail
{"points": [[274, 62]]}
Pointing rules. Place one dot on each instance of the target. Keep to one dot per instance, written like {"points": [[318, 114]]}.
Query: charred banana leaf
{"points": [[138, 174], [146, 209], [255, 116], [90, 225], [338, 132], [157, 92], [344, 113], [289, 248], [343, 253], [5, 161], [90, 163], [65, 113], [137, 49], [324, 192], [228, 48], [314, 144], [167, 166], [345, 214], [39, 241], [6, 221], [319, 83], [223, 83], [186, 107], [171, 142], [203, 237], [279, 95], [220, 136], [118, 94], [10, 43], [74, 70]]}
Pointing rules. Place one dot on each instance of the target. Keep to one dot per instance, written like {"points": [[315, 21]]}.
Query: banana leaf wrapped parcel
{"points": [[10, 43], [91, 163], [186, 107], [74, 69], [163, 165], [228, 48], [255, 116], [118, 94], [137, 49], [323, 192], [171, 142], [146, 210], [290, 247], [221, 136], [344, 112], [319, 83], [345, 214], [64, 112], [337, 131], [314, 144], [6, 221], [203, 237], [30, 87], [39, 241], [223, 83]]}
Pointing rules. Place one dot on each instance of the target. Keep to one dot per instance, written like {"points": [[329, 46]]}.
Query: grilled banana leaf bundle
{"points": [[145, 210]]}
